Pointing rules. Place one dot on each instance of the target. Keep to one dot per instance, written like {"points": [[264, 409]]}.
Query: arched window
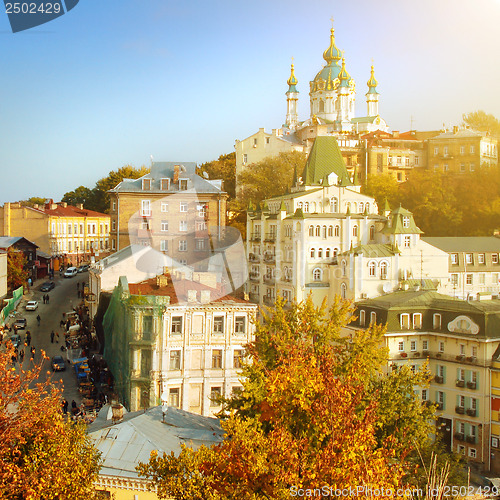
{"points": [[317, 274], [299, 205], [313, 206], [335, 252], [371, 268], [337, 230], [383, 270], [372, 232], [313, 253], [344, 268], [318, 230], [306, 206], [361, 206], [373, 318], [327, 253], [367, 208], [334, 205], [355, 231], [348, 206], [343, 291], [311, 230], [362, 317], [330, 230], [321, 106], [320, 253], [324, 231]]}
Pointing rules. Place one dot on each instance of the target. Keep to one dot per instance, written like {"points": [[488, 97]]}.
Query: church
{"points": [[332, 95]]}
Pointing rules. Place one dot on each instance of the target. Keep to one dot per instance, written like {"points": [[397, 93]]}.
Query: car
{"points": [[16, 340], [58, 364], [20, 324], [32, 305], [71, 272], [47, 286], [83, 268]]}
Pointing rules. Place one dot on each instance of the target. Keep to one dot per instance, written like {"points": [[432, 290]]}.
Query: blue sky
{"points": [[113, 82]]}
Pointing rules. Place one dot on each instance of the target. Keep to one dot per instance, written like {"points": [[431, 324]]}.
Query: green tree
{"points": [[44, 455], [17, 275], [223, 168], [34, 200], [481, 121], [382, 187], [81, 194], [270, 177]]}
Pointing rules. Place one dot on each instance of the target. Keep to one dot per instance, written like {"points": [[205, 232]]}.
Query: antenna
{"points": [[411, 123]]}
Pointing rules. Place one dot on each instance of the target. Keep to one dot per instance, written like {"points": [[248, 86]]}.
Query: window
{"points": [[405, 321], [318, 231], [173, 397], [372, 268], [145, 208], [164, 245], [373, 318], [462, 150], [164, 206], [362, 317], [425, 345], [494, 258], [355, 231], [311, 230], [164, 225], [69, 244], [406, 221], [461, 374], [239, 324], [441, 346], [165, 184], [401, 346], [183, 206], [474, 352], [417, 321], [472, 150], [344, 268], [177, 324], [145, 362], [114, 205], [441, 397], [200, 225], [425, 397], [436, 151], [183, 246], [454, 258], [343, 291], [468, 258], [217, 358], [317, 274], [238, 358], [337, 230], [472, 451], [320, 253], [472, 167], [372, 232], [175, 360], [215, 394], [219, 324], [268, 140], [113, 244], [462, 167], [333, 205], [468, 279], [245, 158], [454, 279], [146, 184], [199, 244], [413, 345], [436, 321], [183, 184], [183, 226], [70, 227], [306, 206], [327, 253], [202, 209], [383, 270], [480, 258], [407, 241]]}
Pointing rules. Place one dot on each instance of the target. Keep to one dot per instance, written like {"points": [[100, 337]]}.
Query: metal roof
{"points": [[452, 244]]}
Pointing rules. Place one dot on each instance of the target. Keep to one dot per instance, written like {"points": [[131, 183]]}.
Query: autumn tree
{"points": [[309, 414], [17, 275], [34, 200], [481, 121], [223, 168], [382, 187], [82, 195], [44, 455]]}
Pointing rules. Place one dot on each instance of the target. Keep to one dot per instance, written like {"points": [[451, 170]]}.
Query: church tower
{"points": [[345, 100], [372, 95], [292, 100]]}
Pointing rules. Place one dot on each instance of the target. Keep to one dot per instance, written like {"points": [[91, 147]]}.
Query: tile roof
{"points": [[70, 211]]}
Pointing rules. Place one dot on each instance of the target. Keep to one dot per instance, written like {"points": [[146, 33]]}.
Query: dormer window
{"points": [[183, 184], [146, 184], [406, 221], [165, 184]]}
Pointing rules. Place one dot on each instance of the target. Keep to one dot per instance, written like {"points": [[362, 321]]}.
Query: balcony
{"points": [[269, 258], [271, 237], [459, 436], [255, 237], [403, 354], [460, 357], [471, 359], [416, 354], [254, 276], [439, 406], [472, 412], [460, 383], [471, 439], [471, 385], [253, 257], [438, 379], [460, 410]]}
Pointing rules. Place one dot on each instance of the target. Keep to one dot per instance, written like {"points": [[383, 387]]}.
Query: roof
{"points": [[165, 170], [373, 250], [8, 241], [324, 159], [123, 445], [452, 244], [364, 119], [69, 211], [396, 226], [461, 133], [297, 194]]}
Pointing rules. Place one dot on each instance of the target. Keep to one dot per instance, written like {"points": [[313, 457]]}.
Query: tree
{"points": [[270, 177], [223, 168], [481, 121], [382, 187], [34, 200], [44, 456], [17, 275], [309, 414], [81, 194]]}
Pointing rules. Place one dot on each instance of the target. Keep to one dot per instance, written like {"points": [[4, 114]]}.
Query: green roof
{"points": [[396, 218], [325, 158], [297, 194], [364, 119], [373, 250]]}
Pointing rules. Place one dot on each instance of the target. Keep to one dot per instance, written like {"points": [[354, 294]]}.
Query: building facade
{"points": [[167, 341]]}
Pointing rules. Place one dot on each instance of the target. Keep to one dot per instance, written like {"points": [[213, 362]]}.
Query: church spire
{"points": [[292, 98], [332, 53], [372, 83], [372, 95], [344, 76], [292, 81]]}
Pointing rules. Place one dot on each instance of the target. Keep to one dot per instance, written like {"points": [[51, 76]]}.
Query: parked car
{"points": [[83, 268], [32, 305], [47, 286], [20, 324], [71, 272], [16, 340], [58, 364]]}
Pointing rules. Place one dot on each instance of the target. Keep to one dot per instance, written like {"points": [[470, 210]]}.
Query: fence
{"points": [[11, 304]]}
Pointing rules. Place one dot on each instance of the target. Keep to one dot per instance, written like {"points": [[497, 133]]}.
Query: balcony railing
{"points": [[254, 276], [460, 383], [255, 237], [459, 436], [472, 412], [254, 297], [439, 406], [269, 300], [438, 379], [269, 258], [460, 410], [471, 439], [270, 237], [254, 257], [471, 385], [270, 280], [471, 360]]}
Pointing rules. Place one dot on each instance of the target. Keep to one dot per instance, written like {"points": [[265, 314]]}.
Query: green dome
{"points": [[292, 81], [332, 53]]}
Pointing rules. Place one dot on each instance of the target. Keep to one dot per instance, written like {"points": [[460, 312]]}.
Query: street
{"points": [[62, 300]]}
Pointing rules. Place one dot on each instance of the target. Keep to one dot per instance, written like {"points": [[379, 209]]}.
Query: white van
{"points": [[70, 272]]}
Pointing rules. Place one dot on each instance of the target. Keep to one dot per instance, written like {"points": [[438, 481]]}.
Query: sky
{"points": [[116, 82]]}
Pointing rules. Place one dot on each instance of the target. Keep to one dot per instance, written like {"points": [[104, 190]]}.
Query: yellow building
{"points": [[60, 230]]}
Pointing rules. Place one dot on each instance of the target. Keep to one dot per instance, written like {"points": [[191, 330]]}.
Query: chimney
{"points": [[455, 129], [117, 410], [161, 281], [191, 297], [395, 134], [64, 204], [176, 173], [36, 206], [79, 205], [205, 296]]}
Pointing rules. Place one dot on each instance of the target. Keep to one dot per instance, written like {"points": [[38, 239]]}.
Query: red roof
{"points": [[70, 211]]}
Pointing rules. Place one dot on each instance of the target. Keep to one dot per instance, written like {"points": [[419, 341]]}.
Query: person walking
{"points": [[48, 298], [38, 319], [28, 338], [65, 407], [43, 298], [33, 351], [52, 335], [57, 337]]}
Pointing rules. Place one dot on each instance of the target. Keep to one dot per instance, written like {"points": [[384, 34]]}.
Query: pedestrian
{"points": [[65, 407], [21, 355], [61, 323], [48, 298], [78, 286], [43, 298], [33, 351], [78, 293], [38, 319], [73, 404], [52, 335], [28, 337], [57, 337]]}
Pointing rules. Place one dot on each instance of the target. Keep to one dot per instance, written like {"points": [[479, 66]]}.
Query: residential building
{"points": [[172, 209], [460, 341], [461, 150], [73, 234], [473, 264], [24, 246], [3, 274], [127, 439], [167, 340]]}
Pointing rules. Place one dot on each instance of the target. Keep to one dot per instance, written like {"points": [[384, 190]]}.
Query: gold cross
{"points": [[331, 19], [292, 59]]}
